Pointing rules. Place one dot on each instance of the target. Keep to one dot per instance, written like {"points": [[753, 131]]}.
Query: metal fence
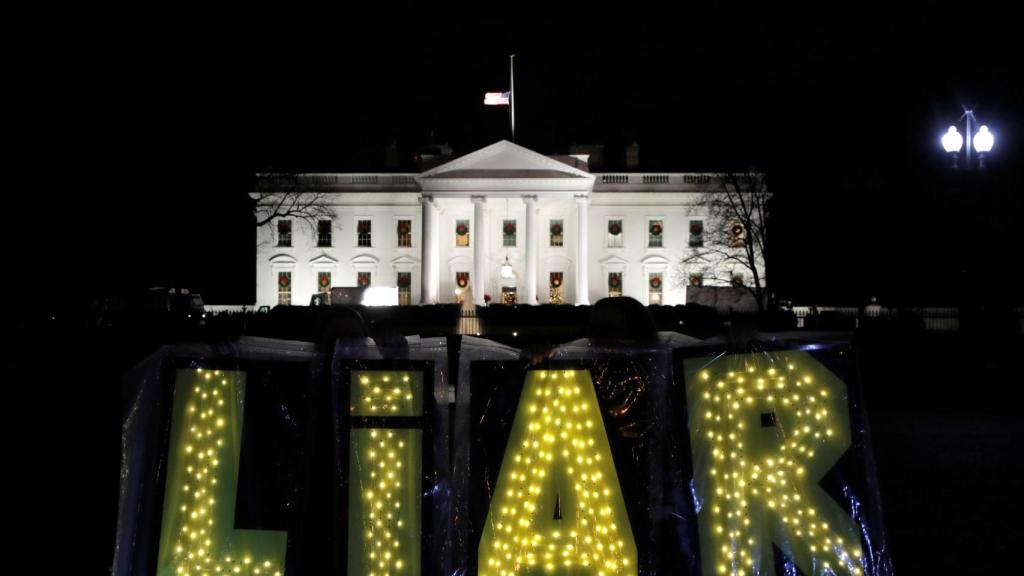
{"points": [[469, 323], [937, 319]]}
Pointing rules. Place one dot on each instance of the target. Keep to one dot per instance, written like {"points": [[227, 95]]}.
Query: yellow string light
{"points": [[384, 476], [557, 504], [757, 463], [197, 536]]}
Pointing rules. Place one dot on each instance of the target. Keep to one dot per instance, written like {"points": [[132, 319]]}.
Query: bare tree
{"points": [[289, 196], [731, 247]]}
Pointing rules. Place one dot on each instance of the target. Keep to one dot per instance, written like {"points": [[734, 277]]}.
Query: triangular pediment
{"points": [[404, 260], [614, 261], [506, 160], [323, 260]]}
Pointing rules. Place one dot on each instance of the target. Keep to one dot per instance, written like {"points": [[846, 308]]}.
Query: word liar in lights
{"points": [[762, 435]]}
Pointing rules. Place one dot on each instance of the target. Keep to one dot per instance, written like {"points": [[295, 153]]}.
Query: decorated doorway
{"points": [[557, 288], [508, 294]]}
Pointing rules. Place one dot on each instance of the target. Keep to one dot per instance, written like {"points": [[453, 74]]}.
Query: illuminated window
{"points": [[654, 283], [462, 279], [323, 233], [284, 233], [655, 230], [323, 284], [614, 284], [696, 233], [364, 238], [556, 233], [508, 233], [462, 232], [404, 288], [557, 288], [284, 288], [405, 233], [615, 233]]}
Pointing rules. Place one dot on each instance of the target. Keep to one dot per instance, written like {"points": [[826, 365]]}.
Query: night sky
{"points": [[134, 133], [152, 131]]}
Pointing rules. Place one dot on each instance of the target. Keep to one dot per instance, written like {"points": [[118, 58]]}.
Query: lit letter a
{"points": [[557, 506]]}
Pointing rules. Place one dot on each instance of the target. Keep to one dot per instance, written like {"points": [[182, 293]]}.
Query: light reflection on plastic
{"points": [[557, 506], [763, 434], [380, 296], [197, 534]]}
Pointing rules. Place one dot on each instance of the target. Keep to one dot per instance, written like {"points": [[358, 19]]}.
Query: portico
{"points": [[503, 183]]}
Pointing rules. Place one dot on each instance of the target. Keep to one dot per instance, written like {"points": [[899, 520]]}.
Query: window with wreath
{"points": [[655, 228], [284, 288], [508, 233], [284, 233], [323, 285], [462, 232], [696, 233], [363, 279], [364, 229], [737, 279], [462, 279], [614, 284], [404, 288], [323, 233], [737, 234], [696, 279], [405, 233], [615, 233], [557, 288], [654, 287], [556, 230]]}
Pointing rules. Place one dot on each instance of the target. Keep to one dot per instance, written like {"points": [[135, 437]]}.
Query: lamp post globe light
{"points": [[981, 141]]}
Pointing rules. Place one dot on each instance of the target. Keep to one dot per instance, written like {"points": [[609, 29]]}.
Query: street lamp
{"points": [[981, 141]]}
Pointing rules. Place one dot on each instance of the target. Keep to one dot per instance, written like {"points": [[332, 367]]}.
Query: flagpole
{"points": [[511, 93]]}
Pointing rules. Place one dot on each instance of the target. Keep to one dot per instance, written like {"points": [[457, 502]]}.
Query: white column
{"points": [[430, 287], [531, 249], [479, 240], [582, 255]]}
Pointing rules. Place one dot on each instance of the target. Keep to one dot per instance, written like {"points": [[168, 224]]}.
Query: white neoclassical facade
{"points": [[570, 236]]}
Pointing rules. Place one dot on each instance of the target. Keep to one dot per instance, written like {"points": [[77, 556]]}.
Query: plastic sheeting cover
{"points": [[674, 456]]}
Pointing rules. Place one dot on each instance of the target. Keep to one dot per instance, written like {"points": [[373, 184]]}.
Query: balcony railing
{"points": [[666, 180]]}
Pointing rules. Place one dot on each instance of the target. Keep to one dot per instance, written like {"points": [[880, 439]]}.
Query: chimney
{"points": [[391, 156], [633, 155], [594, 152]]}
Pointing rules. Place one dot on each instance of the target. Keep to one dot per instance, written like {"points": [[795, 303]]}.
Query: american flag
{"points": [[496, 98]]}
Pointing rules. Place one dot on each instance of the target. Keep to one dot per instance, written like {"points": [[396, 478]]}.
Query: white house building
{"points": [[570, 236]]}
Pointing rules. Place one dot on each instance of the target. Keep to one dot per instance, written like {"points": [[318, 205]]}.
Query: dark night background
{"points": [[136, 136], [157, 128]]}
